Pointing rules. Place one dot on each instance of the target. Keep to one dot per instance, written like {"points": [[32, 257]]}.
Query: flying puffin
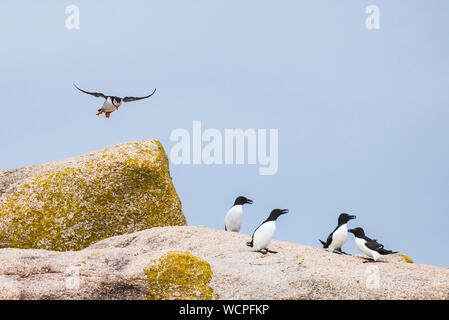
{"points": [[338, 237], [368, 246], [233, 219], [264, 233], [112, 102]]}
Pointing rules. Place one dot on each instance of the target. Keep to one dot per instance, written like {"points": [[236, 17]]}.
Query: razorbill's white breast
{"points": [[233, 218]]}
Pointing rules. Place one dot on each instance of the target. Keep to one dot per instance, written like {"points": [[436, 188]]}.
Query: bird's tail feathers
{"points": [[249, 243], [323, 243], [386, 252]]}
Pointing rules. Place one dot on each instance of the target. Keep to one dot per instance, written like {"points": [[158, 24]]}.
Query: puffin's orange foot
{"points": [[108, 114], [99, 113]]}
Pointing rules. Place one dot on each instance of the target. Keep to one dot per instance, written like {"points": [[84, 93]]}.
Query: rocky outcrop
{"points": [[72, 203], [172, 262]]}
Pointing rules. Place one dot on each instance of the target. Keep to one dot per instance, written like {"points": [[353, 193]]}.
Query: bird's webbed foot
{"points": [[368, 260]]}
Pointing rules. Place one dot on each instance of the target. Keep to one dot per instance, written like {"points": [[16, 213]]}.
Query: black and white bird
{"points": [[112, 102], [233, 219], [338, 237], [264, 233], [370, 247]]}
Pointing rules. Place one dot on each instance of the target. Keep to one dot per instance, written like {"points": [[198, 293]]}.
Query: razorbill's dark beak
{"points": [[284, 211], [352, 217], [249, 201]]}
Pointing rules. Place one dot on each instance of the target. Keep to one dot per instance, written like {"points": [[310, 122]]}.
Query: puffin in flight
{"points": [[112, 102]]}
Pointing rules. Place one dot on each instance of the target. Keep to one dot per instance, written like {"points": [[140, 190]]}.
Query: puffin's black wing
{"points": [[95, 94], [128, 99]]}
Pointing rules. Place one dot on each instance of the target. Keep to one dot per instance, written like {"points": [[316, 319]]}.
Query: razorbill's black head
{"points": [[233, 218], [344, 218], [112, 102], [264, 233], [368, 246], [338, 237], [358, 232], [276, 213], [242, 200]]}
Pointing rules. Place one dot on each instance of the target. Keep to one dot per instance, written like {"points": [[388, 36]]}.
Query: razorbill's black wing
{"points": [[329, 239], [374, 245], [250, 243]]}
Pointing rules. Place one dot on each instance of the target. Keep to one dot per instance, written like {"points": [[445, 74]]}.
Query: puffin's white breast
{"points": [[108, 106]]}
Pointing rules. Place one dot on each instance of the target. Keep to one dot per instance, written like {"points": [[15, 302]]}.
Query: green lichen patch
{"points": [[118, 190], [179, 275]]}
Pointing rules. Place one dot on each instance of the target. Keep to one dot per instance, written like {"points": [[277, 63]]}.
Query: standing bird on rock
{"points": [[264, 233], [112, 102], [338, 237], [368, 246], [233, 219]]}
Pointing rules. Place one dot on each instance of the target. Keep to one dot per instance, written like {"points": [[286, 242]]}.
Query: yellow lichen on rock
{"points": [[406, 258], [179, 275], [117, 190]]}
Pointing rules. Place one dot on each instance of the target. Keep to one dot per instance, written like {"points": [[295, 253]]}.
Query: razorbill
{"points": [[233, 219], [368, 246], [264, 233], [338, 237], [112, 102]]}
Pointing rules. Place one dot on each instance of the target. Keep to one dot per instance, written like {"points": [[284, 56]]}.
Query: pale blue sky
{"points": [[362, 115]]}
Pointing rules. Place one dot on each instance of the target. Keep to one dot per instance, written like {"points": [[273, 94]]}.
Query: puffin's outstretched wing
{"points": [[95, 94], [128, 99]]}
